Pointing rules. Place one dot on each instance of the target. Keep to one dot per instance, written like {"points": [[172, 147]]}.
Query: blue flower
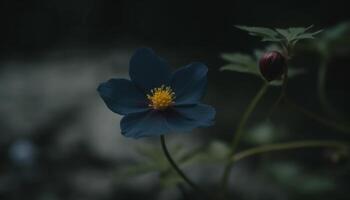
{"points": [[156, 101]]}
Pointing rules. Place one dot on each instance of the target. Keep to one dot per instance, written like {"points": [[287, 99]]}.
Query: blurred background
{"points": [[59, 141]]}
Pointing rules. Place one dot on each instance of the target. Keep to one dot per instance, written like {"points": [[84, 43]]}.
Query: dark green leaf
{"points": [[294, 34], [240, 68], [170, 179], [238, 58], [240, 63], [266, 34], [284, 32]]}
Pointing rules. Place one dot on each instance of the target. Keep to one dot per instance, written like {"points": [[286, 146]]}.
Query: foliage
{"points": [[288, 36]]}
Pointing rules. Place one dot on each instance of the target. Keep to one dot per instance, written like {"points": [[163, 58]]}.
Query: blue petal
{"points": [[177, 119], [122, 96], [144, 124], [189, 83], [148, 70], [199, 114], [179, 123]]}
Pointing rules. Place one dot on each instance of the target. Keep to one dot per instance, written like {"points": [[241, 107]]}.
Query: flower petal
{"points": [[199, 114], [144, 124], [122, 96], [189, 83], [148, 70], [179, 123]]}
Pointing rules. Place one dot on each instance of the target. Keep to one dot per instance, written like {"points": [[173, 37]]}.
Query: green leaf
{"points": [[219, 150], [294, 31], [135, 170], [262, 133], [284, 32], [240, 68], [216, 152], [170, 179], [266, 34], [240, 62], [294, 34], [238, 58]]}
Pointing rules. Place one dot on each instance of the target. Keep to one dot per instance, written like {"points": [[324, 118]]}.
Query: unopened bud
{"points": [[272, 65]]}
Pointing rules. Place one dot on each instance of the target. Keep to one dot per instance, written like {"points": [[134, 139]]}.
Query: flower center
{"points": [[161, 98]]}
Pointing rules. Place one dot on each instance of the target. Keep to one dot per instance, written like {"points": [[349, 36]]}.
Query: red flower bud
{"points": [[272, 65]]}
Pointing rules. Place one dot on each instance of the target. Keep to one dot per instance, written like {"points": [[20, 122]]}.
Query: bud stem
{"points": [[287, 146], [239, 132]]}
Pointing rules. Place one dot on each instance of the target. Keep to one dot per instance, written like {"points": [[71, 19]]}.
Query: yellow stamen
{"points": [[161, 98]]}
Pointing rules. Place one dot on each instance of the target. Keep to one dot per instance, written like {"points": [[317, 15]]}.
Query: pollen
{"points": [[161, 98]]}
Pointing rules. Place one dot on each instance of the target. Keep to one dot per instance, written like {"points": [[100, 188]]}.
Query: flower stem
{"points": [[282, 94], [245, 117], [174, 165], [288, 146], [239, 133]]}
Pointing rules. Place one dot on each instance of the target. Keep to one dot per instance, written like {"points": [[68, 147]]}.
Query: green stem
{"points": [[174, 165], [282, 94], [246, 115], [287, 146], [335, 125], [239, 133]]}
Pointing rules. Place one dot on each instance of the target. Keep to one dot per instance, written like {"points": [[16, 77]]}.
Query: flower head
{"points": [[156, 101], [272, 65]]}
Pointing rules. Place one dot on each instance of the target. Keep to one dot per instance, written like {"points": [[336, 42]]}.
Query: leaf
{"points": [[238, 58], [240, 68], [294, 31], [262, 133], [219, 149], [215, 152], [170, 179], [289, 36], [135, 170], [240, 63], [294, 34], [266, 34], [284, 32]]}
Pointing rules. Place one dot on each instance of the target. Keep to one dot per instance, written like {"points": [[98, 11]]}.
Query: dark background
{"points": [[58, 140], [31, 27]]}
